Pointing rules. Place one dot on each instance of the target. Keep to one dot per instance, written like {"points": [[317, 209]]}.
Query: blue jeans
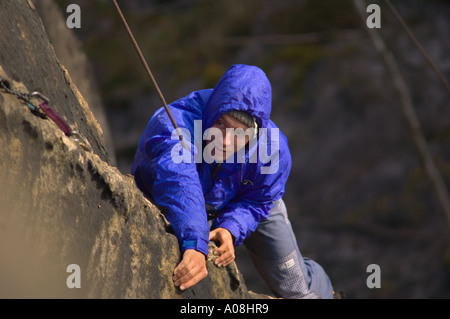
{"points": [[274, 252]]}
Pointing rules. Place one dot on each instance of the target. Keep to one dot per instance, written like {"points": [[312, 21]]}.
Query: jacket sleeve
{"points": [[254, 202], [241, 217], [172, 185]]}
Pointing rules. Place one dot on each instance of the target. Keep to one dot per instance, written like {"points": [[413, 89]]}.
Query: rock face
{"points": [[69, 51], [61, 205]]}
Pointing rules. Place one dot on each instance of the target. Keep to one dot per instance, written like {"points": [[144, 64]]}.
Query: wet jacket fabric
{"points": [[239, 192]]}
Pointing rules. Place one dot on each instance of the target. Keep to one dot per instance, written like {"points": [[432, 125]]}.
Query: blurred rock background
{"points": [[358, 193]]}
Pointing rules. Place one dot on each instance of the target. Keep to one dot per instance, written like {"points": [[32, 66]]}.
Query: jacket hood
{"points": [[243, 88]]}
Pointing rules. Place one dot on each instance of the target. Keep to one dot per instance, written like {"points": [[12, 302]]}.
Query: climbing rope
{"points": [[43, 110], [149, 73]]}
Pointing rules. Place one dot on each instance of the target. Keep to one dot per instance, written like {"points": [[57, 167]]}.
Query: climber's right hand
{"points": [[190, 270]]}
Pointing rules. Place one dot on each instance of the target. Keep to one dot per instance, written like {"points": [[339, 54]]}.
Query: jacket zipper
{"points": [[216, 170]]}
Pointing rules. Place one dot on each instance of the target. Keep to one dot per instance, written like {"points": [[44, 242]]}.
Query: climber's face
{"points": [[233, 137]]}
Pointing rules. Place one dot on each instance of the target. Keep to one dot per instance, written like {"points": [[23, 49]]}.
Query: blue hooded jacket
{"points": [[240, 192]]}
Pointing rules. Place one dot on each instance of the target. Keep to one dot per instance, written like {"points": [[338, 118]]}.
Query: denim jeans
{"points": [[275, 254]]}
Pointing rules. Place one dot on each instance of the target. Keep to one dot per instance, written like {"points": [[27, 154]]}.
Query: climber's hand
{"points": [[225, 251], [190, 270]]}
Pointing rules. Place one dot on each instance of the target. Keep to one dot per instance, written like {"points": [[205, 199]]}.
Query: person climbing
{"points": [[228, 187]]}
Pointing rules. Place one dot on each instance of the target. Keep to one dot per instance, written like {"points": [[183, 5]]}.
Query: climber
{"points": [[228, 199]]}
